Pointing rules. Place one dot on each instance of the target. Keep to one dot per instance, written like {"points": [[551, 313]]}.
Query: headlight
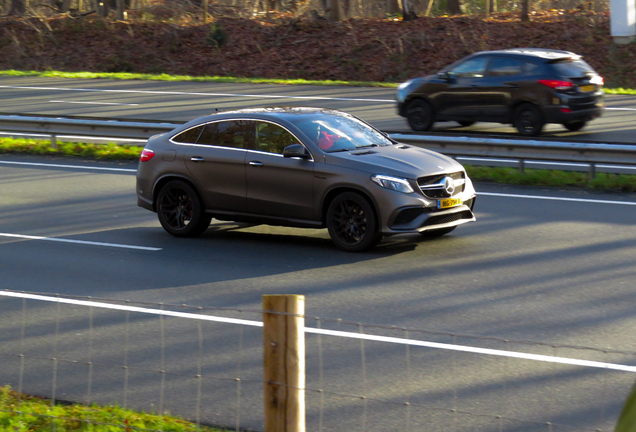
{"points": [[392, 183], [405, 84]]}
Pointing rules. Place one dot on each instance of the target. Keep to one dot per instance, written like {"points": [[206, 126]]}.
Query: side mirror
{"points": [[295, 150], [446, 76]]}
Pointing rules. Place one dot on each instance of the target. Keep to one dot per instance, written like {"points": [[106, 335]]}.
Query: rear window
{"points": [[573, 68]]}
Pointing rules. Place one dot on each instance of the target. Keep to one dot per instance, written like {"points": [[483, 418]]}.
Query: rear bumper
{"points": [[555, 114]]}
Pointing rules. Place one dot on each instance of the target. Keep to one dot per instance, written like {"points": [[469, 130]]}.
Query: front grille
{"points": [[448, 218], [433, 186]]}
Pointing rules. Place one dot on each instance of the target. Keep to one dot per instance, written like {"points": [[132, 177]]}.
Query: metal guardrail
{"points": [[454, 146]]}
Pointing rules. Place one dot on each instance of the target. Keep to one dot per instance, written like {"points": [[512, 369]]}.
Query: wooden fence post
{"points": [[284, 362]]}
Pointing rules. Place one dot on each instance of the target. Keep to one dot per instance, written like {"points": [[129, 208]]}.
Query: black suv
{"points": [[527, 87]]}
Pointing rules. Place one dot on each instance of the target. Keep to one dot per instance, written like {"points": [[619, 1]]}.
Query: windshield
{"points": [[340, 133], [574, 68]]}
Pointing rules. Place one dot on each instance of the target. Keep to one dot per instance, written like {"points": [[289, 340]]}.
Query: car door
{"points": [[217, 164], [460, 98], [498, 88], [278, 186]]}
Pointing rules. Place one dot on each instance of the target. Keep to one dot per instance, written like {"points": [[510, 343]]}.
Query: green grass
{"points": [[553, 178], [94, 151], [224, 79], [512, 176], [34, 414], [166, 77]]}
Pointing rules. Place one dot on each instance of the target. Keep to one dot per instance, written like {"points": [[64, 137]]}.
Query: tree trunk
{"points": [[333, 10], [408, 12], [392, 7], [18, 7], [524, 11], [454, 7]]}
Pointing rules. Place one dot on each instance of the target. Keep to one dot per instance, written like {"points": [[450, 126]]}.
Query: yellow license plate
{"points": [[449, 202], [587, 88]]}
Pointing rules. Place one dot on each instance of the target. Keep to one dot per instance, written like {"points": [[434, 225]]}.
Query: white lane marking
{"points": [[175, 93], [351, 335], [593, 201], [69, 166], [115, 245], [93, 103], [621, 109]]}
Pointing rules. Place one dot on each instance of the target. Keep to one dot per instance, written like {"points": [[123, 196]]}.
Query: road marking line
{"points": [[93, 103], [621, 109], [115, 245], [558, 198], [153, 92], [351, 335], [69, 166]]}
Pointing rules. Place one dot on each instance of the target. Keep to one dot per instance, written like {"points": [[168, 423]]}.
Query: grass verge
{"points": [[30, 413], [225, 79], [166, 77], [512, 176]]}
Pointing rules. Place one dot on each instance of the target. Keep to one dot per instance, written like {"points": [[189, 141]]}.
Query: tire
{"points": [[528, 120], [352, 223], [464, 123], [431, 234], [180, 210], [575, 125], [420, 115]]}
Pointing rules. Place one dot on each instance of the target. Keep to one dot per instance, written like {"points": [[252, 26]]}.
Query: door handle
{"points": [[256, 163], [197, 159]]}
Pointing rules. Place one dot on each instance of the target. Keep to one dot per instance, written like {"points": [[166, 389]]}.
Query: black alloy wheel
{"points": [[181, 211], [352, 223], [435, 233], [420, 115], [528, 120], [575, 125], [465, 123]]}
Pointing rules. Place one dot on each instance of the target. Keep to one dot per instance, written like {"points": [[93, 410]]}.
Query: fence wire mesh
{"points": [[205, 364]]}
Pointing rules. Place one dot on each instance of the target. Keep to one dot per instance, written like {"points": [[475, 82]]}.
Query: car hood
{"points": [[397, 160]]}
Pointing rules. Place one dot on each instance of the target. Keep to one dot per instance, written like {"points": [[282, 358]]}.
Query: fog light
{"points": [[566, 110]]}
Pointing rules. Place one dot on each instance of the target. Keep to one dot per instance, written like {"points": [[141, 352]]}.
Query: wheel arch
{"points": [[333, 193], [162, 181]]}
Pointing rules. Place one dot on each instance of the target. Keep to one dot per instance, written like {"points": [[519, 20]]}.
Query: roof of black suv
{"points": [[547, 54]]}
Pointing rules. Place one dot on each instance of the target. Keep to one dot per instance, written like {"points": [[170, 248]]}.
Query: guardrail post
{"points": [[592, 171], [284, 362], [522, 166], [54, 142]]}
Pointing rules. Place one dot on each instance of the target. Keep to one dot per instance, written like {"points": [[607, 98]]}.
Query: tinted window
{"points": [[473, 68], [272, 138], [189, 137], [576, 68], [335, 133], [233, 133], [500, 66]]}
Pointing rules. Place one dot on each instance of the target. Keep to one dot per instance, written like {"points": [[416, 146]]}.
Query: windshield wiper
{"points": [[342, 150], [369, 145]]}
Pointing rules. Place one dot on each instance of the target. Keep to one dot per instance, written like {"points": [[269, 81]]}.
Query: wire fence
{"points": [[205, 364]]}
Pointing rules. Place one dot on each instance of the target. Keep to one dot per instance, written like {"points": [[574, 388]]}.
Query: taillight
{"points": [[557, 84], [146, 155]]}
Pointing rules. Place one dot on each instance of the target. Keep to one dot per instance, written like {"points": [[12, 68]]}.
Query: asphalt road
{"points": [[546, 265], [173, 101]]}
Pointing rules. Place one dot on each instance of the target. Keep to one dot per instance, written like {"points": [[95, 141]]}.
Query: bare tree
{"points": [[524, 11], [408, 12], [18, 7], [332, 10], [454, 7]]}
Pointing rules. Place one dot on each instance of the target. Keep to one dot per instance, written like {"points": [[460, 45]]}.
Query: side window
{"points": [[232, 133], [500, 66], [272, 138], [188, 137], [473, 68]]}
